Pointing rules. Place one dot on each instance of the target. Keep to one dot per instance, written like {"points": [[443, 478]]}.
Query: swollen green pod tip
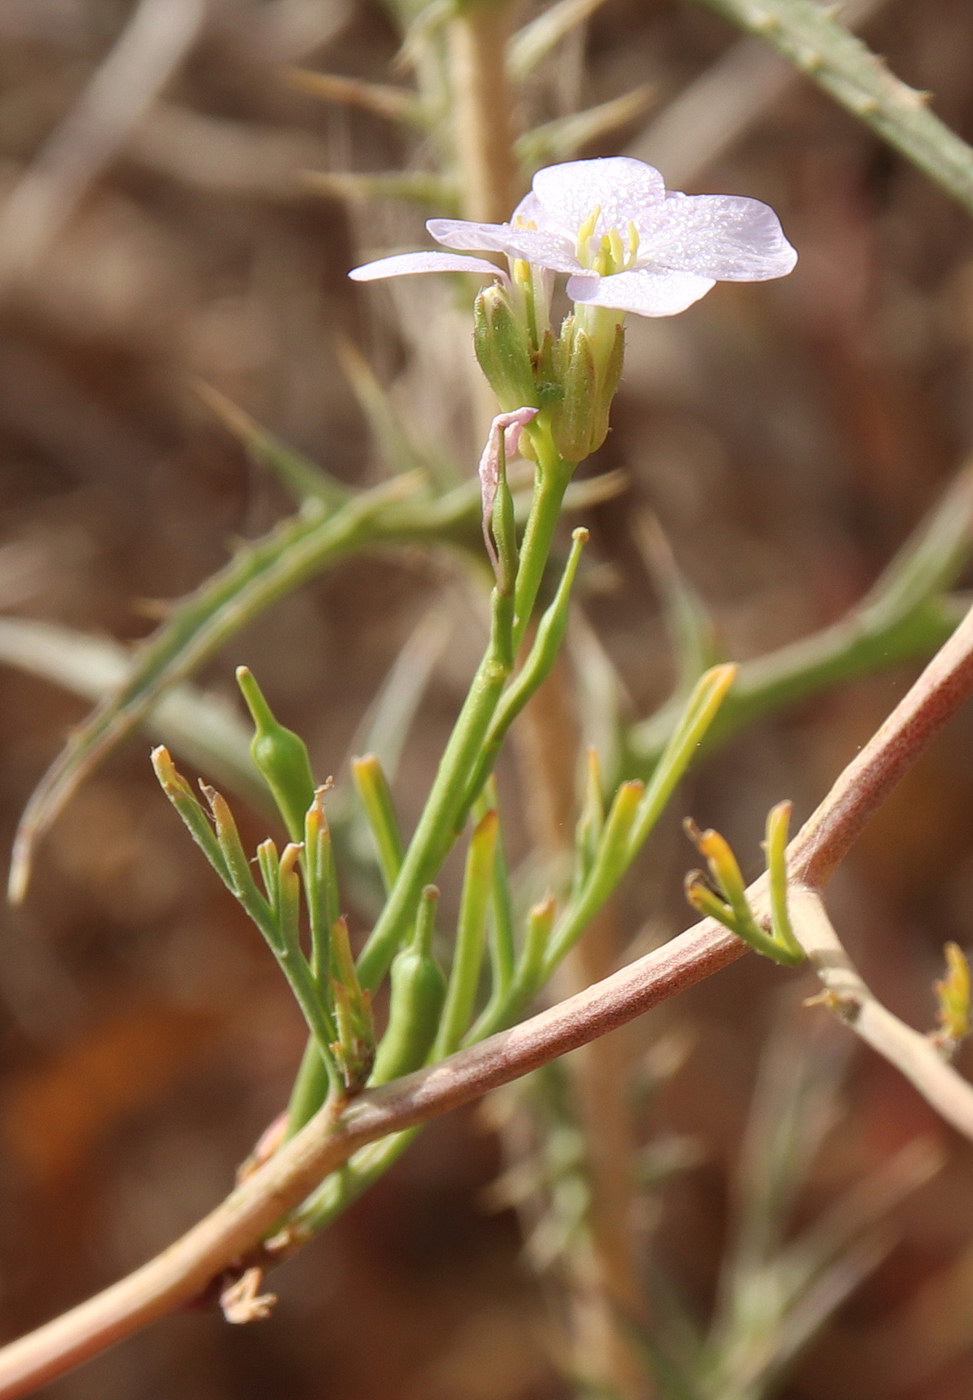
{"points": [[280, 756]]}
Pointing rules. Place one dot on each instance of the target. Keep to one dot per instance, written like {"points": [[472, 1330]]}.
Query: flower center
{"points": [[606, 253]]}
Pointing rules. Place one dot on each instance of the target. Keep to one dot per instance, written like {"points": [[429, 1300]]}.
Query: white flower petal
{"points": [[403, 264], [623, 188], [647, 291], [725, 236], [544, 249]]}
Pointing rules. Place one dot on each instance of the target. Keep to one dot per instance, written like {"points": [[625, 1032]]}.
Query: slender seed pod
{"points": [[280, 756], [418, 991]]}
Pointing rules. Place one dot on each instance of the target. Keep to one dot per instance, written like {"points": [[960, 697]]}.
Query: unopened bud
{"points": [[574, 367], [503, 349], [587, 369]]}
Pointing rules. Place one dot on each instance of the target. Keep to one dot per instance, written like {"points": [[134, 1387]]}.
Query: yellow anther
{"points": [[521, 271], [616, 251]]}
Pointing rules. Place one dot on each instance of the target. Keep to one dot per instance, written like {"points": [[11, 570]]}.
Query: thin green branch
{"points": [[186, 1269]]}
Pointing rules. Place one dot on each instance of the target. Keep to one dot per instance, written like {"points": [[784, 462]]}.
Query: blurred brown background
{"points": [[787, 436]]}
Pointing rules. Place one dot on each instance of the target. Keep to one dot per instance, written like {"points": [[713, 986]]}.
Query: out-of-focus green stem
{"points": [[810, 36], [337, 1192], [906, 615], [856, 646]]}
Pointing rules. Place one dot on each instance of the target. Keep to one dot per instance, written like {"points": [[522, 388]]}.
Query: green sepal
{"points": [[609, 372], [502, 346], [574, 370]]}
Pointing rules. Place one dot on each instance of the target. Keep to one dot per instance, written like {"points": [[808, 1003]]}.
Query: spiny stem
{"points": [[810, 37]]}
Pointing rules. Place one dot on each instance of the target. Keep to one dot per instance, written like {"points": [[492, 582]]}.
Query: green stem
{"points": [[437, 826], [314, 1081], [435, 831], [551, 481], [464, 975]]}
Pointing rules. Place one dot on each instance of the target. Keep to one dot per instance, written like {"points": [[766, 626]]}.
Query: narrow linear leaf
{"points": [[205, 730], [257, 576]]}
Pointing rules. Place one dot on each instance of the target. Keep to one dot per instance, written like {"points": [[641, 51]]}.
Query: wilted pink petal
{"points": [[510, 426], [403, 264]]}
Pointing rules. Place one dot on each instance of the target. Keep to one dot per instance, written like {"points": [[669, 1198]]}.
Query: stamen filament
{"points": [[633, 243], [585, 233]]}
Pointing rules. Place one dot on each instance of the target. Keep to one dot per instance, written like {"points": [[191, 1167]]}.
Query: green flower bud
{"points": [[587, 366], [574, 369], [609, 372], [502, 348]]}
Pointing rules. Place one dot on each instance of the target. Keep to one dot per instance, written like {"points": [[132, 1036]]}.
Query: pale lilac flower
{"points": [[622, 239]]}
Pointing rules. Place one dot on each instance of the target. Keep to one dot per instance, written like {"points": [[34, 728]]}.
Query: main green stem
{"points": [[437, 827]]}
